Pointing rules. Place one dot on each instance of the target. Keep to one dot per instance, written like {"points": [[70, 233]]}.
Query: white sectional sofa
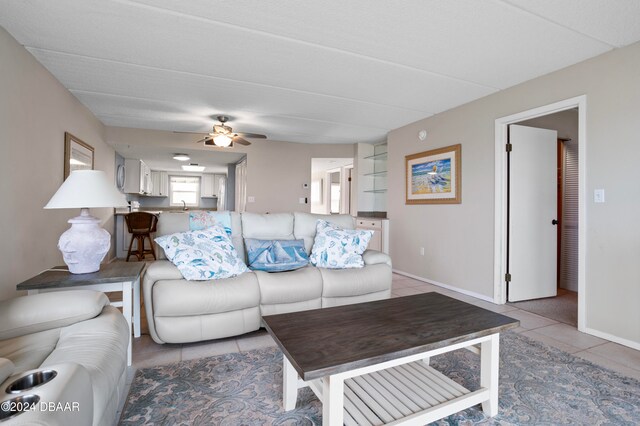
{"points": [[78, 335], [180, 311]]}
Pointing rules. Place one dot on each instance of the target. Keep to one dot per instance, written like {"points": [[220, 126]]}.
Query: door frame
{"points": [[500, 211]]}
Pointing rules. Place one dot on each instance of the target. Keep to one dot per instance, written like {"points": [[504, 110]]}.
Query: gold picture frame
{"points": [[78, 155], [435, 176]]}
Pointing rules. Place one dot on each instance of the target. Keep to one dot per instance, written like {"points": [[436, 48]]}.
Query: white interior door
{"points": [[533, 207]]}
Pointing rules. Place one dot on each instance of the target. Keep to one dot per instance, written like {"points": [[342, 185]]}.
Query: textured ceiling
{"points": [[305, 71]]}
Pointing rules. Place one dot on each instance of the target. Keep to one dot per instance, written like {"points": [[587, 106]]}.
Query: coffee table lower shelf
{"points": [[403, 391]]}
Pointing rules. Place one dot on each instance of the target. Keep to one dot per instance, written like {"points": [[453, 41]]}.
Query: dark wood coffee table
{"points": [[369, 363]]}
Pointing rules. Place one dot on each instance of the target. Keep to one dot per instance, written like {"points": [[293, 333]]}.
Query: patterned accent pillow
{"points": [[337, 248], [207, 254], [201, 219], [276, 255]]}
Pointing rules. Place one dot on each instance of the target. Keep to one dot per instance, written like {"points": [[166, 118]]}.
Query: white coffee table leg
{"points": [[126, 311], [489, 365], [332, 400], [289, 385]]}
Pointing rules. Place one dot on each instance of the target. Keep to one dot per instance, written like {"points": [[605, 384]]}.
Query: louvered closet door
{"points": [[569, 242]]}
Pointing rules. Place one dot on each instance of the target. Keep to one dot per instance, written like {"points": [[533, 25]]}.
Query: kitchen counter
{"points": [[159, 210]]}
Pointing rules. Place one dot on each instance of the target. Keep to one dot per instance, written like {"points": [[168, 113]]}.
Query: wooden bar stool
{"points": [[141, 225]]}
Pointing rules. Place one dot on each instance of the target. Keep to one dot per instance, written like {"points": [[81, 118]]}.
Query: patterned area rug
{"points": [[539, 385]]}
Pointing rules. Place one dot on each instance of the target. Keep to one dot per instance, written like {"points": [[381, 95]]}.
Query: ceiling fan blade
{"points": [[250, 135], [192, 133], [205, 140], [237, 139]]}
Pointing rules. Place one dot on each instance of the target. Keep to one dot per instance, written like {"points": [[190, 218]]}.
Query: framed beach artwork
{"points": [[77, 155], [434, 177]]}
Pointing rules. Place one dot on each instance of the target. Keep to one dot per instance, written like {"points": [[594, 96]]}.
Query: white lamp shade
{"points": [[87, 189]]}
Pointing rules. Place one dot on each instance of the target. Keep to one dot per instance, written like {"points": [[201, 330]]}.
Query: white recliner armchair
{"points": [[63, 359]]}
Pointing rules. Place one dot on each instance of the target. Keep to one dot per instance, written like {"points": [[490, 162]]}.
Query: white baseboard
{"points": [[611, 337], [447, 286]]}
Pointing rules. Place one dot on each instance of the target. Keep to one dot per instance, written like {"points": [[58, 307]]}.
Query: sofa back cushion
{"points": [[172, 222], [305, 225], [275, 226], [30, 314]]}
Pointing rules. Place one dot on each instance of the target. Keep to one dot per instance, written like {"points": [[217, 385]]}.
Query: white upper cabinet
{"points": [[137, 178], [210, 183], [159, 184]]}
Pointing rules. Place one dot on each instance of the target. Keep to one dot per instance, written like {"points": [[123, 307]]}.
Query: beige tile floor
{"points": [[147, 353]]}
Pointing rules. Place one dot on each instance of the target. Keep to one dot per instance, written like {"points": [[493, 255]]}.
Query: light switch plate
{"points": [[251, 199], [598, 195]]}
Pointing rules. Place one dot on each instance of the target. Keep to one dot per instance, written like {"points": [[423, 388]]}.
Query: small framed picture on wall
{"points": [[78, 155]]}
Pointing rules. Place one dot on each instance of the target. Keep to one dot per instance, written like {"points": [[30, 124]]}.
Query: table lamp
{"points": [[85, 244]]}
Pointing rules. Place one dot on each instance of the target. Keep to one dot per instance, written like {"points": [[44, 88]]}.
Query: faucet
{"points": [[184, 206]]}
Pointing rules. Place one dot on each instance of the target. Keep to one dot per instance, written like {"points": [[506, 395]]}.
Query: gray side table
{"points": [[114, 276]]}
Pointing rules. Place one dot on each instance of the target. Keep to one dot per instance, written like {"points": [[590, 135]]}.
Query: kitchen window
{"points": [[184, 190]]}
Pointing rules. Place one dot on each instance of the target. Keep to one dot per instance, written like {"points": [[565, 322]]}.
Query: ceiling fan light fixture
{"points": [[222, 140], [181, 157]]}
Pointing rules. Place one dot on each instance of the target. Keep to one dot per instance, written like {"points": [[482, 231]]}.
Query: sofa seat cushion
{"points": [[100, 346], [355, 282], [304, 226], [289, 287], [179, 297]]}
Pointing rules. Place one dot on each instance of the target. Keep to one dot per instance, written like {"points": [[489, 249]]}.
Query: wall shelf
{"points": [[380, 156], [382, 173], [376, 191]]}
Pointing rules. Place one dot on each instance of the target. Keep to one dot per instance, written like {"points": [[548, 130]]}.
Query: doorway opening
{"points": [[555, 217], [331, 185], [561, 304]]}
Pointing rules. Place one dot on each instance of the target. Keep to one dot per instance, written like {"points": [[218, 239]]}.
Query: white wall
{"points": [[275, 170], [35, 111], [459, 238]]}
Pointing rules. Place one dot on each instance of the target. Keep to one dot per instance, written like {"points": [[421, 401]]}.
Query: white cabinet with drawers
{"points": [[380, 227]]}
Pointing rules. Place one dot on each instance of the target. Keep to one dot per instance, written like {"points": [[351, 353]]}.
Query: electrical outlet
{"points": [[251, 199], [302, 200], [598, 195], [421, 251]]}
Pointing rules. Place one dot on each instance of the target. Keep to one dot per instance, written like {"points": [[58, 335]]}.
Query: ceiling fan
{"points": [[223, 136]]}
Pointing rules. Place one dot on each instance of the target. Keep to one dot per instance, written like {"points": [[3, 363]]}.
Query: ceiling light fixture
{"points": [[192, 167], [181, 157], [222, 141]]}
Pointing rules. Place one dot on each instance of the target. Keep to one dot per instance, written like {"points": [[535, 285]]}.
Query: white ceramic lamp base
{"points": [[85, 244]]}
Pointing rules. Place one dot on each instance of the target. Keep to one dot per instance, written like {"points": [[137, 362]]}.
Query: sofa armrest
{"points": [[374, 257], [30, 314]]}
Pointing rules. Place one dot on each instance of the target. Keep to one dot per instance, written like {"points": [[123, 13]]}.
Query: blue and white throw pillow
{"points": [[337, 248], [206, 254], [276, 255], [201, 219]]}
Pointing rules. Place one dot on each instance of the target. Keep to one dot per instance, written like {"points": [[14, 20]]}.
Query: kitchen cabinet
{"points": [[210, 184], [380, 227], [137, 177], [159, 184]]}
